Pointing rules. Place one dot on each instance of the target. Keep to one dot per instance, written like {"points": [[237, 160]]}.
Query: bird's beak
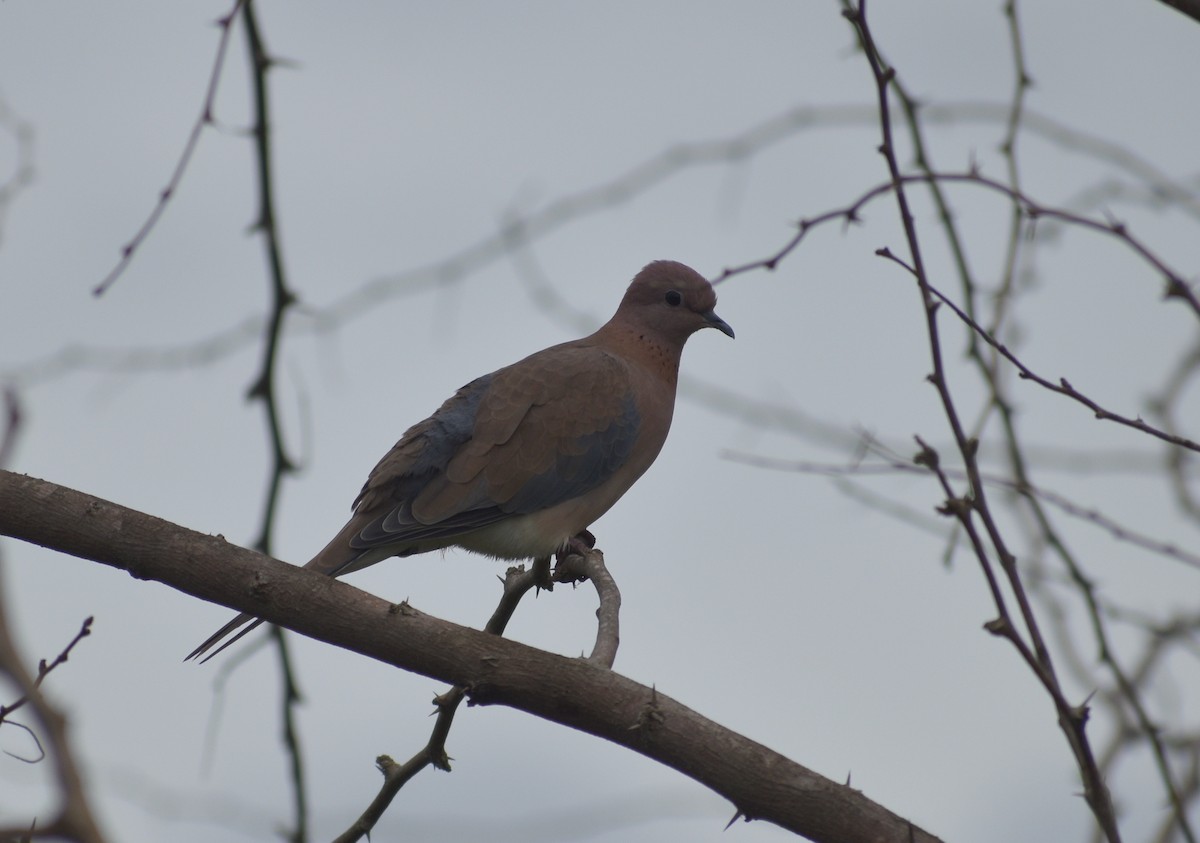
{"points": [[715, 321]]}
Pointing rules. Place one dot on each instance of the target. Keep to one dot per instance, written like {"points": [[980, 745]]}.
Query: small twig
{"points": [[44, 669], [23, 167], [205, 119], [1008, 148], [1063, 387], [1166, 404], [577, 567], [517, 583], [1176, 285], [74, 819], [608, 627]]}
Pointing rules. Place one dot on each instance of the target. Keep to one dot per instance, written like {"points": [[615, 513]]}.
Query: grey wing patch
{"points": [[420, 455], [581, 465], [424, 450]]}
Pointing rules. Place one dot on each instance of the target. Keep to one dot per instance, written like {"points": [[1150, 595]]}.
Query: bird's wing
{"points": [[540, 432]]}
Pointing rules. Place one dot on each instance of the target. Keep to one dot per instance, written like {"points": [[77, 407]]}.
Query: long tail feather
{"points": [[216, 637], [335, 559]]}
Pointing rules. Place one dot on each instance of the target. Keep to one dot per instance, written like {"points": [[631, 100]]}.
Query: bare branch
{"points": [[74, 819], [23, 168], [164, 197], [44, 669], [1063, 387]]}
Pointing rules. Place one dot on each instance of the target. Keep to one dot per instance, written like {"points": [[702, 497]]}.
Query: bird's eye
{"points": [[674, 299]]}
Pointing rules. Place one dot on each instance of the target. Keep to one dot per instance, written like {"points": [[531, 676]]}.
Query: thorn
{"points": [[736, 816], [955, 507], [383, 763], [401, 608], [927, 457], [997, 626], [1175, 288]]}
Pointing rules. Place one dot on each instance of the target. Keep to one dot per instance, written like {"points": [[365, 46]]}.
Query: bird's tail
{"points": [[215, 638], [335, 559]]}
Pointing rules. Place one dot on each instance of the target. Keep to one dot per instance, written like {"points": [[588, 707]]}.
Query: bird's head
{"points": [[673, 300]]}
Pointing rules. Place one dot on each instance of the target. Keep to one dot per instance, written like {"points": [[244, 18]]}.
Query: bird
{"points": [[519, 463]]}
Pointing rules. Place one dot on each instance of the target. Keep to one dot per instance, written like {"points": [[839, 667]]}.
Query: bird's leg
{"points": [[541, 573]]}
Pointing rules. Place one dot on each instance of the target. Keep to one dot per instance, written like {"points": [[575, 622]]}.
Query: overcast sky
{"points": [[405, 136]]}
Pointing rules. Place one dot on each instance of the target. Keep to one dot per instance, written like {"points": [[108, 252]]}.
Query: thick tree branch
{"points": [[762, 784], [1191, 8]]}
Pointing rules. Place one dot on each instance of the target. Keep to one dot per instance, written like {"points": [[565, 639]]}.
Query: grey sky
{"points": [[769, 601]]}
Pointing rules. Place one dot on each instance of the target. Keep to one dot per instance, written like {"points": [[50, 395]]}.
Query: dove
{"points": [[519, 463]]}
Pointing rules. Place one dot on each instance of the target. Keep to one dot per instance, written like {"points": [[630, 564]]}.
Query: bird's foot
{"points": [[568, 562], [581, 542]]}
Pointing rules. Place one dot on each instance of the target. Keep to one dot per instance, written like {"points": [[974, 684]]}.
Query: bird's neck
{"points": [[656, 354]]}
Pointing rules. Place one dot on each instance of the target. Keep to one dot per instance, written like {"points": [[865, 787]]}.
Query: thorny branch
{"points": [[1176, 285], [45, 668], [966, 508], [22, 173], [225, 23], [265, 390], [74, 819]]}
